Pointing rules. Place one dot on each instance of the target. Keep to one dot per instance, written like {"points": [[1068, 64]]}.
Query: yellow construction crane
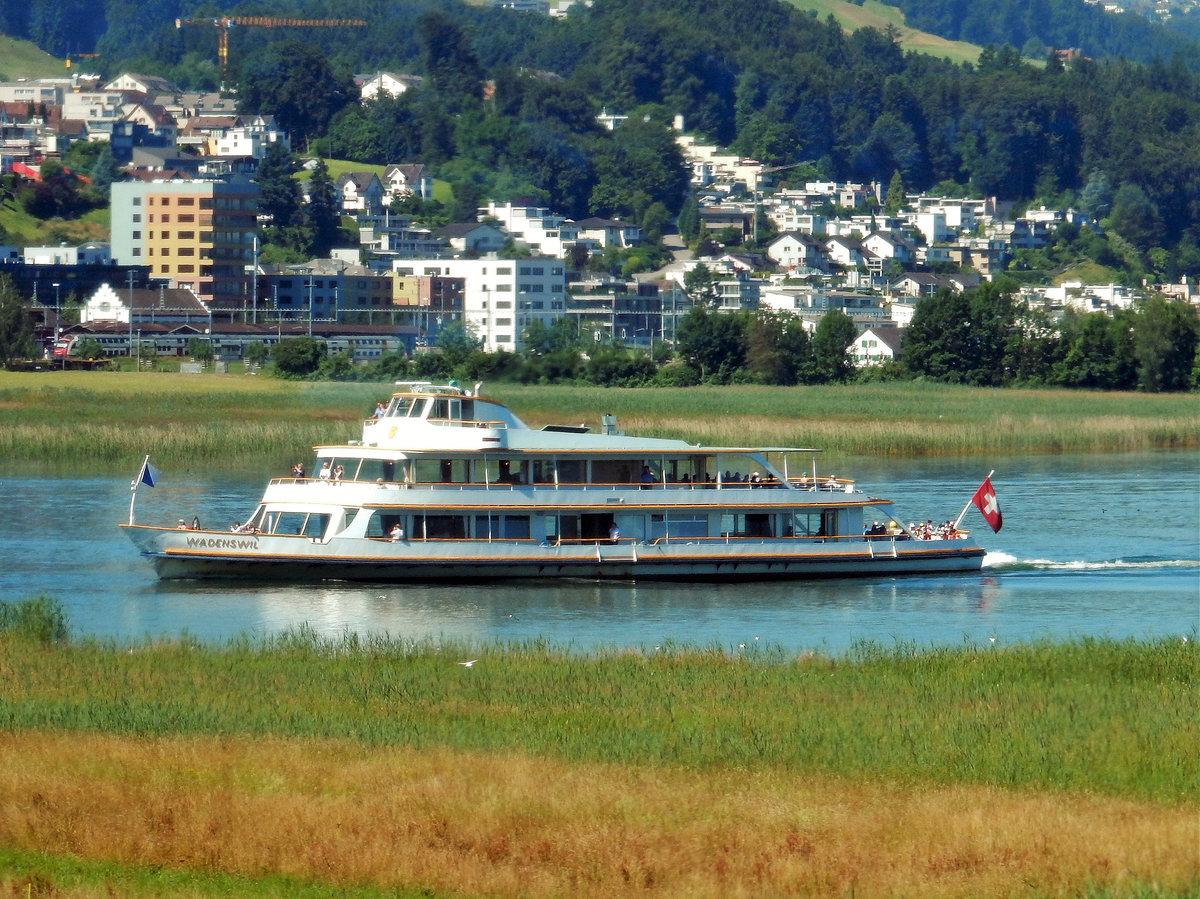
{"points": [[223, 23]]}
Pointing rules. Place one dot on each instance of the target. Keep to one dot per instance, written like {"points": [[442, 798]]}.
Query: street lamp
{"points": [[57, 315]]}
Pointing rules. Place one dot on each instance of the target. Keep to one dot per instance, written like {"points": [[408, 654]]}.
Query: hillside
{"points": [[874, 14], [21, 59]]}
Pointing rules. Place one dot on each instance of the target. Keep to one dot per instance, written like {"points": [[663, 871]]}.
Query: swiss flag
{"points": [[985, 500]]}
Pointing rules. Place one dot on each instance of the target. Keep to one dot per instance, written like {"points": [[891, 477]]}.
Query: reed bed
{"points": [[294, 763], [110, 419], [235, 812], [1112, 718]]}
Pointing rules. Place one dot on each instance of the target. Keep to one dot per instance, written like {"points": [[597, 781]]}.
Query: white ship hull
{"points": [[200, 554]]}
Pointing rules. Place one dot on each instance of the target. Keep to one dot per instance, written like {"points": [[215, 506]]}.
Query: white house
{"points": [[359, 191], [794, 250], [84, 254], [406, 180], [844, 251], [875, 346], [609, 232], [168, 304], [151, 85], [535, 227], [388, 83]]}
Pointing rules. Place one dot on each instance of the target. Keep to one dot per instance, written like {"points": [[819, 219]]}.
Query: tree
{"points": [[88, 348], [200, 349], [294, 81], [278, 192], [454, 73], [322, 217], [712, 342], [457, 343], [895, 199], [17, 339], [960, 337], [255, 352], [1135, 217], [833, 336], [700, 285], [688, 221], [296, 357], [1165, 338]]}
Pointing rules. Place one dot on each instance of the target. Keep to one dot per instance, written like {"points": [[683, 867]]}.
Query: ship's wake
{"points": [[1000, 561]]}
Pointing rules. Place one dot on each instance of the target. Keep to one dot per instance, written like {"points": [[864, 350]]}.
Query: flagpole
{"points": [[958, 520], [133, 487]]}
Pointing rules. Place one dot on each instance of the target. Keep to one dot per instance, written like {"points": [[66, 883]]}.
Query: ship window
{"points": [[442, 527], [746, 525], [301, 523], [678, 525], [497, 527], [562, 528], [614, 471], [570, 471], [378, 470], [809, 524], [381, 524], [441, 471]]}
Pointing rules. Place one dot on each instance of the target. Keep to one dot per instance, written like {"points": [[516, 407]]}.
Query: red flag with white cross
{"points": [[985, 500]]}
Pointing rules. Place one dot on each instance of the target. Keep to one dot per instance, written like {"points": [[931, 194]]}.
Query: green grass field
{"points": [[22, 59], [873, 14]]}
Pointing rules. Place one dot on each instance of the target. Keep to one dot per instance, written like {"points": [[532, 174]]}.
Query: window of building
{"points": [[137, 217], [187, 251], [503, 322], [136, 235]]}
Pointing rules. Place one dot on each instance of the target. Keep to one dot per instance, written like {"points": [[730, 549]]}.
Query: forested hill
{"points": [[1034, 26], [125, 30]]}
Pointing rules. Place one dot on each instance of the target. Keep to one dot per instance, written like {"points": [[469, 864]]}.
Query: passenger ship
{"points": [[447, 485]]}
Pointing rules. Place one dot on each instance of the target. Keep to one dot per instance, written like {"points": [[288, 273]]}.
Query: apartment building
{"points": [[197, 234], [501, 297]]}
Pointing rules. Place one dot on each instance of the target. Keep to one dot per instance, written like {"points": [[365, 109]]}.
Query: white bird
{"points": [[468, 664]]}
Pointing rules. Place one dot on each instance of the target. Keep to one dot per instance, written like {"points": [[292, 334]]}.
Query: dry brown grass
{"points": [[515, 826]]}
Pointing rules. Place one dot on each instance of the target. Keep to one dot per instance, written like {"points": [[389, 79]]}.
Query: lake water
{"points": [[1103, 546]]}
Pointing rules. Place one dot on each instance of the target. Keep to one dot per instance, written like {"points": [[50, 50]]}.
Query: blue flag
{"points": [[150, 474]]}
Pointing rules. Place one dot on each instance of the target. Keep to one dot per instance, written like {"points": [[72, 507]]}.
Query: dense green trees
{"points": [[294, 81], [16, 327]]}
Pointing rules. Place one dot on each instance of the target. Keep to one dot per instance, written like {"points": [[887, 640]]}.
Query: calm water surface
{"points": [[1091, 546]]}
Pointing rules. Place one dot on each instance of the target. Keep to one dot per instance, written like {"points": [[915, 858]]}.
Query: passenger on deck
{"points": [[326, 472], [338, 471], [298, 470], [397, 533], [647, 477]]}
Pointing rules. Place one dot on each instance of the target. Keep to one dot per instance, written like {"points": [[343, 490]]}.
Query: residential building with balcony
{"points": [[195, 234]]}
